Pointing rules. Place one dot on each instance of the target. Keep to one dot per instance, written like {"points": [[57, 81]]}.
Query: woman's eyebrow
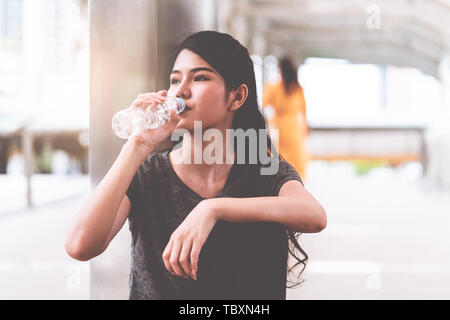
{"points": [[195, 70]]}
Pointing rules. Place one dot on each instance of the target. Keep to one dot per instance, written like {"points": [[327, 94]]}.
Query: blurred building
{"points": [[44, 80], [375, 73]]}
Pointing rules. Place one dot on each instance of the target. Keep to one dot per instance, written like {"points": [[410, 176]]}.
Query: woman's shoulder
{"points": [[280, 164], [156, 161], [152, 170], [275, 173]]}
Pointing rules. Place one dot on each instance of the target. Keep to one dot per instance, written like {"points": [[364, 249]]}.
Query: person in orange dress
{"points": [[285, 109]]}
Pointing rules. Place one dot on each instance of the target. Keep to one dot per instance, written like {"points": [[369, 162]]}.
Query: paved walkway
{"points": [[387, 238], [33, 263]]}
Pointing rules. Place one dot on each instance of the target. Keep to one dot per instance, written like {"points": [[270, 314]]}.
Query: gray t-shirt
{"points": [[238, 260]]}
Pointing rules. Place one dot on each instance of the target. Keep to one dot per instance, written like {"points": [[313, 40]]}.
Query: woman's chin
{"points": [[185, 124]]}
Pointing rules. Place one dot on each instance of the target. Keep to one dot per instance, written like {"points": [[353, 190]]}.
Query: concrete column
{"points": [[131, 51], [444, 137], [27, 149], [444, 75], [258, 48]]}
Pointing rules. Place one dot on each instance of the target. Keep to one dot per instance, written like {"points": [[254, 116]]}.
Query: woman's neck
{"points": [[208, 154]]}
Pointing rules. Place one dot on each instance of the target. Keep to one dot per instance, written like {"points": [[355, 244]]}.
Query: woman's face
{"points": [[203, 90]]}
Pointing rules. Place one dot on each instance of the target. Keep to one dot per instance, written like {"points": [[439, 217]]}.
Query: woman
{"points": [[200, 230], [289, 116]]}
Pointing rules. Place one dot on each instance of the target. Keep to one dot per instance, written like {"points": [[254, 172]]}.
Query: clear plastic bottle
{"points": [[133, 120]]}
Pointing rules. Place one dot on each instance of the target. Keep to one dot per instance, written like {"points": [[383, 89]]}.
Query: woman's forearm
{"points": [[92, 224], [296, 214]]}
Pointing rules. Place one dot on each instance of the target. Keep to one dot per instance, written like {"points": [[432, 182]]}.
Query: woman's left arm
{"points": [[294, 207]]}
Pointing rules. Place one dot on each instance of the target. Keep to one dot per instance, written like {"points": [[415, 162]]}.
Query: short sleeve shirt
{"points": [[238, 260]]}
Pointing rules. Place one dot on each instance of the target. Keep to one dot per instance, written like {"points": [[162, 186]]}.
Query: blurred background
{"points": [[374, 85]]}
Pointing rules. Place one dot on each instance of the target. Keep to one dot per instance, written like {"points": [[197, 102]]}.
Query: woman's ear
{"points": [[240, 95]]}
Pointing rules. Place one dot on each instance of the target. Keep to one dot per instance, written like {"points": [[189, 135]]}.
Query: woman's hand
{"points": [[150, 138], [183, 249]]}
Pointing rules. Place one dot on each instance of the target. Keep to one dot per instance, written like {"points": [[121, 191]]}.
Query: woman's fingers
{"points": [[174, 119], [195, 252], [174, 259], [184, 257], [180, 258], [188, 240], [159, 94], [145, 99], [166, 256]]}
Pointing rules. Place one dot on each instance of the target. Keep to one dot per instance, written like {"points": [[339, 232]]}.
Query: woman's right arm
{"points": [[107, 208]]}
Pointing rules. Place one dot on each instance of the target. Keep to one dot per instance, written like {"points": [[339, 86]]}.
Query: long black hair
{"points": [[232, 60], [288, 74]]}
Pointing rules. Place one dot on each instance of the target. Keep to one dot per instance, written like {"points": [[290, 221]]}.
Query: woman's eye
{"points": [[201, 78], [197, 78]]}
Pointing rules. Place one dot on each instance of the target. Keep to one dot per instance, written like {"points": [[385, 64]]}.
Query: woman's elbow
{"points": [[76, 251], [321, 220], [317, 221]]}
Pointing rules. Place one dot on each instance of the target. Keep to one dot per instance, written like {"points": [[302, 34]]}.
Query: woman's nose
{"points": [[183, 91]]}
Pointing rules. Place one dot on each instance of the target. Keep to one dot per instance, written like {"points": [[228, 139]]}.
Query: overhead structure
{"points": [[414, 33]]}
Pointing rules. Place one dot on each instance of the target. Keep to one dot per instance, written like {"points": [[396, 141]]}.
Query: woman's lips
{"points": [[186, 109]]}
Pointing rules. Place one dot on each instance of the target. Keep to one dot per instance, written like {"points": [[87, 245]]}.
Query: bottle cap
{"points": [[181, 101]]}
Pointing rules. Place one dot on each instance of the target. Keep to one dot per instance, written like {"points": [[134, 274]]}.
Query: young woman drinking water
{"points": [[202, 229]]}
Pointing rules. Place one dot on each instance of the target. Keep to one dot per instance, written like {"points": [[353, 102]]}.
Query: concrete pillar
{"points": [[437, 135], [131, 51], [444, 75], [27, 149], [258, 48], [444, 137]]}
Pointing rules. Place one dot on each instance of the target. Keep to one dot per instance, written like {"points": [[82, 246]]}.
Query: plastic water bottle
{"points": [[133, 120]]}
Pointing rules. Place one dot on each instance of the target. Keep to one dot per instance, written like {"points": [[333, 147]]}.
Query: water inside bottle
{"points": [[157, 115], [127, 122], [134, 120]]}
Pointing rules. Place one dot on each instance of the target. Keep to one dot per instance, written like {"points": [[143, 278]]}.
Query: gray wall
{"points": [[131, 51]]}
